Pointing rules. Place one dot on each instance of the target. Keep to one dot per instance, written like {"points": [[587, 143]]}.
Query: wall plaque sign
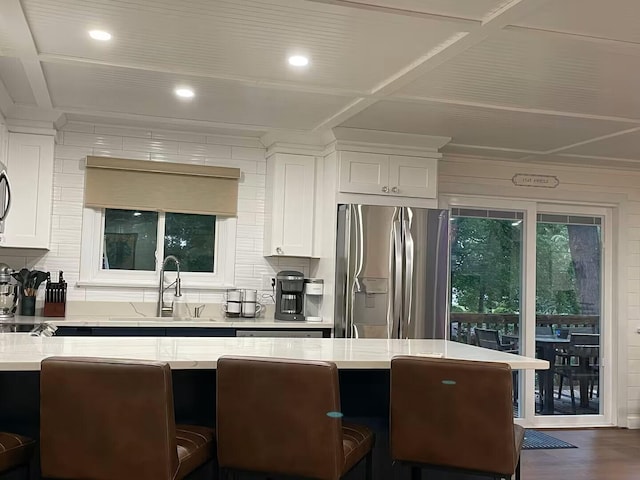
{"points": [[531, 180]]}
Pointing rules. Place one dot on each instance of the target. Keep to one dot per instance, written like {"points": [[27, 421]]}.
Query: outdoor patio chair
{"points": [[579, 362]]}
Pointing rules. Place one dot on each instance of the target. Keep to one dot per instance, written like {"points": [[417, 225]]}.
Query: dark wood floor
{"points": [[603, 454]]}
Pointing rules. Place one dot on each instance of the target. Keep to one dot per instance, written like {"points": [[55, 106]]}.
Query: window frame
{"points": [[91, 273]]}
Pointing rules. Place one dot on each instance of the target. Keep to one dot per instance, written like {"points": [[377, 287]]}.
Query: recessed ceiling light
{"points": [[184, 92], [298, 61], [100, 35]]}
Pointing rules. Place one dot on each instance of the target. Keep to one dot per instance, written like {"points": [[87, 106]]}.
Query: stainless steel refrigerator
{"points": [[391, 272]]}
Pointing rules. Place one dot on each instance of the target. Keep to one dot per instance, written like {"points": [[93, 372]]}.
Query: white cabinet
{"points": [[290, 205], [30, 169], [364, 172], [396, 175]]}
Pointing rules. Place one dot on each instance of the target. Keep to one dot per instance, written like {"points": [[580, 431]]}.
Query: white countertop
{"points": [[140, 321], [22, 352]]}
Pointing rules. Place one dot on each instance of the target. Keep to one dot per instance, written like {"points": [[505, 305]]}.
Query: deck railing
{"points": [[462, 324]]}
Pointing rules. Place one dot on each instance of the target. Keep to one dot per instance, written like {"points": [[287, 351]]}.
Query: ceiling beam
{"points": [[20, 36], [237, 79], [453, 47], [507, 108], [363, 5], [198, 125]]}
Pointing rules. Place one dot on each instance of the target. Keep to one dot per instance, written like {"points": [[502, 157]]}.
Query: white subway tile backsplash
{"points": [[92, 140], [169, 157], [80, 140], [69, 194], [245, 166], [128, 154], [251, 142], [73, 166], [245, 218], [245, 153], [68, 209], [68, 180], [179, 136], [66, 237], [204, 150], [68, 152], [252, 180], [114, 295], [68, 222], [149, 145]]}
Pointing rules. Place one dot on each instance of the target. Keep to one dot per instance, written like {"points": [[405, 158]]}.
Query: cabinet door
{"points": [[30, 171], [413, 176], [291, 205], [364, 172]]}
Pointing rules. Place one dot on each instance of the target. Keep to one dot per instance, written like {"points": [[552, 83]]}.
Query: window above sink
{"points": [[124, 248]]}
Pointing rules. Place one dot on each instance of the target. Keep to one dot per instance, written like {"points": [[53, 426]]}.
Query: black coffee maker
{"points": [[289, 295]]}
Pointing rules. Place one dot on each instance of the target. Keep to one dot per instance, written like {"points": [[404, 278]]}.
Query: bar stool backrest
{"points": [[453, 413], [279, 416], [107, 419]]}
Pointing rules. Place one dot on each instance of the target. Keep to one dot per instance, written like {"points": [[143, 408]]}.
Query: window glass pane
{"points": [[486, 277], [130, 240], [191, 239], [568, 305]]}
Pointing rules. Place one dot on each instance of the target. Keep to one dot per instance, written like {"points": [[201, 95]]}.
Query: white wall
{"points": [[77, 140], [617, 189]]}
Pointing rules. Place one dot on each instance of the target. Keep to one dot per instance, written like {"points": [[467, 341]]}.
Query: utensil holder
{"points": [[28, 306]]}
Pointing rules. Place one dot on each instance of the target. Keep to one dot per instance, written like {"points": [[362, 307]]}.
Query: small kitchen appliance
{"points": [[313, 289], [8, 292], [289, 295]]}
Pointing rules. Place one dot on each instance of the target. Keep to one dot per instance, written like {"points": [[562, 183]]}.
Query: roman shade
{"points": [[160, 186]]}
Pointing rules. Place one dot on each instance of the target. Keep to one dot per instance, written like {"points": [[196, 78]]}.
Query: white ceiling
{"points": [[516, 79]]}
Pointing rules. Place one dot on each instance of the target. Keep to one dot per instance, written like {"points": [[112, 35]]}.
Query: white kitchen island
{"points": [[364, 368], [23, 352]]}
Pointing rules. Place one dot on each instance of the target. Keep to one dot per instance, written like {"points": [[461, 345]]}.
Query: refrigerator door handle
{"points": [[396, 273], [408, 280], [354, 221]]}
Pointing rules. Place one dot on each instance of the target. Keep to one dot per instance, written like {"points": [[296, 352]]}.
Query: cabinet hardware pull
{"points": [[279, 251], [385, 189], [395, 189]]}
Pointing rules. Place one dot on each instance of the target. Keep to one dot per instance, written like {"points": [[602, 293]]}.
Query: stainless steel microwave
{"points": [[5, 196]]}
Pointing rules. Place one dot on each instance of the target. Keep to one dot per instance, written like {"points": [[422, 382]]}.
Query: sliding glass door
{"points": [[486, 280], [535, 279], [568, 313]]}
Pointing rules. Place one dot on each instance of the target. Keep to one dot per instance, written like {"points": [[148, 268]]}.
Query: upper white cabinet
{"points": [[290, 205], [379, 174], [364, 172], [29, 164]]}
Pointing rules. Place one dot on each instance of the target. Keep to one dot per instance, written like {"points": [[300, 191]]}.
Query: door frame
{"points": [[609, 339]]}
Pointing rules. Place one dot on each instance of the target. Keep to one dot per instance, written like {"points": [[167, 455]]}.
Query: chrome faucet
{"points": [[165, 310]]}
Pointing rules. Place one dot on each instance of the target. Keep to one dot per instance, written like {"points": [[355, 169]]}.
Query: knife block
{"points": [[54, 309], [55, 300]]}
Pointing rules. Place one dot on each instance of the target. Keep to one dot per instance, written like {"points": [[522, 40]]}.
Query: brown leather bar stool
{"points": [[113, 419], [15, 452], [454, 415], [282, 417]]}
